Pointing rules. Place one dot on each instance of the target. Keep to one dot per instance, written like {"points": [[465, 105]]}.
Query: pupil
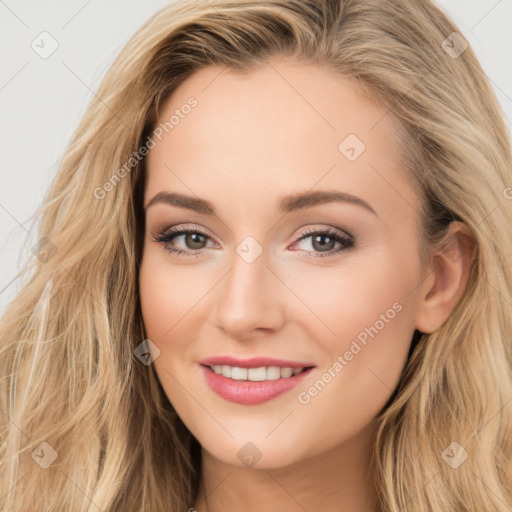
{"points": [[322, 246], [192, 239]]}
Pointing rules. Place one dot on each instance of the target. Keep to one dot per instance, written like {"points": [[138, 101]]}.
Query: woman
{"points": [[272, 274]]}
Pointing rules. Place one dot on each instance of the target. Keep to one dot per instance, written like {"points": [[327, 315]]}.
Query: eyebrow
{"points": [[287, 204]]}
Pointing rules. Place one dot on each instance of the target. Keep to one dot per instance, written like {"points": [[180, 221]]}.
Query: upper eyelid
{"points": [[329, 230], [185, 228], [303, 232]]}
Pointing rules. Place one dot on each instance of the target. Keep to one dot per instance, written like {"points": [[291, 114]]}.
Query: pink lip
{"points": [[249, 392], [253, 362]]}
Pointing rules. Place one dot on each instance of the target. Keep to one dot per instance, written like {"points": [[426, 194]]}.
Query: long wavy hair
{"points": [[69, 377]]}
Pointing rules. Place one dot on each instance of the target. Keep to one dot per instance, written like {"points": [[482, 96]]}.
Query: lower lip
{"points": [[248, 392]]}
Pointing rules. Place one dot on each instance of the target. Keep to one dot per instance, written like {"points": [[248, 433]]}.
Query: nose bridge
{"points": [[248, 298]]}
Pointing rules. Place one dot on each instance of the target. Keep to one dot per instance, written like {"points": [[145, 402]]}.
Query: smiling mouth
{"points": [[263, 373]]}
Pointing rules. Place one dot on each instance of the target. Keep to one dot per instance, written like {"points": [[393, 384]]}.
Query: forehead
{"points": [[282, 128]]}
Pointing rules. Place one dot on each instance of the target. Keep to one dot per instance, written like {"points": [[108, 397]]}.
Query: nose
{"points": [[249, 299]]}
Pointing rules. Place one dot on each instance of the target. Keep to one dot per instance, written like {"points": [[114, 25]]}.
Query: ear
{"points": [[451, 262]]}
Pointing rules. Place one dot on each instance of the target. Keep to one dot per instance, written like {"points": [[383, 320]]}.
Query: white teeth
{"points": [[255, 374], [286, 372], [239, 373], [273, 373]]}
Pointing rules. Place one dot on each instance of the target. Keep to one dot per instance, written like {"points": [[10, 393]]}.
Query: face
{"points": [[281, 249]]}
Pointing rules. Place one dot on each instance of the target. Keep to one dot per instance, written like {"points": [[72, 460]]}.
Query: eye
{"points": [[316, 243], [320, 243], [194, 241]]}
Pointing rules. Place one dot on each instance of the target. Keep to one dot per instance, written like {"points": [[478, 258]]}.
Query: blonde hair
{"points": [[69, 376]]}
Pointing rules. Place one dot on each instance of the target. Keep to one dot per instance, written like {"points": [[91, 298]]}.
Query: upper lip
{"points": [[253, 362]]}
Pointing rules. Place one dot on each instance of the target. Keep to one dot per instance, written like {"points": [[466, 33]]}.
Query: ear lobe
{"points": [[452, 260]]}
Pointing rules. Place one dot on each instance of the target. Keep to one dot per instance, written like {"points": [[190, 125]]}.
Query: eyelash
{"points": [[164, 237]]}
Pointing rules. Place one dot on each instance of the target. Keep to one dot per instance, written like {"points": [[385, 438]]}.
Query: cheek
{"points": [[168, 294], [346, 300], [167, 298], [173, 299], [164, 301], [158, 300], [367, 316]]}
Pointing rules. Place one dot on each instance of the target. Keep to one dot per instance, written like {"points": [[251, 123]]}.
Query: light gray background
{"points": [[42, 100]]}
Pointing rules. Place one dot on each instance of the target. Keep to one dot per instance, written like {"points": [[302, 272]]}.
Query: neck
{"points": [[340, 479]]}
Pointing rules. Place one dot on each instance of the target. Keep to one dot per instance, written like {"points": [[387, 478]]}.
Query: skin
{"points": [[250, 141]]}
